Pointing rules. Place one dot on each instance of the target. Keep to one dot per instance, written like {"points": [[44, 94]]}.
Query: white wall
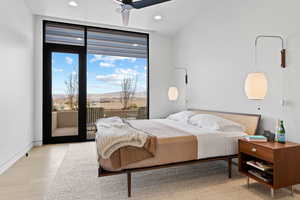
{"points": [[16, 81], [38, 81], [217, 46], [160, 73]]}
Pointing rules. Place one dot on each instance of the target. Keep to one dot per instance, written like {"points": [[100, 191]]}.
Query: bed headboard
{"points": [[249, 121]]}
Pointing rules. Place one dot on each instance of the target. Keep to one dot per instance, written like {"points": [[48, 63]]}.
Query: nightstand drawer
{"points": [[256, 151]]}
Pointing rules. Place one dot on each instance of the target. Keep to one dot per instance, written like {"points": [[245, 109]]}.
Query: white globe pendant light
{"points": [[173, 93], [256, 86]]}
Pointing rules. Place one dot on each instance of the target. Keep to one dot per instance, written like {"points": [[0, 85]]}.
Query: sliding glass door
{"points": [[91, 73], [63, 107], [64, 83]]}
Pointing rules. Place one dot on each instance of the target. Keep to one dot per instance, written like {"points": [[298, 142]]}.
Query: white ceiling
{"points": [[176, 13]]}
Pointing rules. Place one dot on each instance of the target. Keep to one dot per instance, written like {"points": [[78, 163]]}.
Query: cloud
{"points": [[69, 60], [110, 59], [106, 64], [132, 59], [74, 73], [126, 71], [57, 69], [96, 86], [114, 79], [96, 58], [142, 67], [117, 77]]}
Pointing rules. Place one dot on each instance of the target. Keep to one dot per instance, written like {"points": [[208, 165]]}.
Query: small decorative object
{"points": [[281, 133], [269, 135]]}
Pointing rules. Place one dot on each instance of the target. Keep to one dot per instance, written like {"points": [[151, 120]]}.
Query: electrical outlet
{"points": [[259, 107]]}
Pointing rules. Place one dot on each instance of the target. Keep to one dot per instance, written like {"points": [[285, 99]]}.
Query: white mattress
{"points": [[211, 143]]}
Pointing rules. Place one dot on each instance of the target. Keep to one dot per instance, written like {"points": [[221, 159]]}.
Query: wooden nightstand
{"points": [[282, 159]]}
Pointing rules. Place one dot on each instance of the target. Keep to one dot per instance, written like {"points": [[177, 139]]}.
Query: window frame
{"points": [[47, 81]]}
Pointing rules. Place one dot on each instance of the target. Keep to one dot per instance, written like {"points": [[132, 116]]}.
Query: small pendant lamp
{"points": [[173, 93], [256, 84]]}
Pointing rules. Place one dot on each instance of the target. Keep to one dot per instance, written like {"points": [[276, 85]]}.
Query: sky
{"points": [[104, 73]]}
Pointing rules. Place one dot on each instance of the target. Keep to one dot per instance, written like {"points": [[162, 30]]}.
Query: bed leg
{"points": [[229, 167], [129, 183], [99, 171]]}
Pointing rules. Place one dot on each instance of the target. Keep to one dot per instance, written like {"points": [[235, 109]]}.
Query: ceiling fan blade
{"points": [[125, 17], [118, 2], [146, 3]]}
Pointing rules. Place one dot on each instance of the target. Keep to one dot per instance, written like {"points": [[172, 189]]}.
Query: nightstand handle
{"points": [[253, 149]]}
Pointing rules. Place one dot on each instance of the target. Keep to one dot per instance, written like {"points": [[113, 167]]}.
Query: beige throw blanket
{"points": [[114, 134]]}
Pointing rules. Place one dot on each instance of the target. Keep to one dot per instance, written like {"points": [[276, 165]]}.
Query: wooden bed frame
{"points": [[103, 173]]}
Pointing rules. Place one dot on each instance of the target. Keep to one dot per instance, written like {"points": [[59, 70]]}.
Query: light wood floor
{"points": [[31, 176]]}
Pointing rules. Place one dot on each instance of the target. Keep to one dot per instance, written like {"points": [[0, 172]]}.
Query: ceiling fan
{"points": [[127, 5]]}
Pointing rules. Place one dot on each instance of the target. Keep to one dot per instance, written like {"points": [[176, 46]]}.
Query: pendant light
{"points": [[256, 84], [173, 93]]}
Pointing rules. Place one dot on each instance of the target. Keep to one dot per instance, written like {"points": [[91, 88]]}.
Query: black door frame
{"points": [[47, 82], [47, 93]]}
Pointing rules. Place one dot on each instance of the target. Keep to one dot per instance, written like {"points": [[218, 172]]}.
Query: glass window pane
{"points": [[64, 94], [117, 72], [116, 86]]}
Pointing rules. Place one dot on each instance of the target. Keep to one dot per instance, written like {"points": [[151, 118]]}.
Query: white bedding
{"points": [[211, 143]]}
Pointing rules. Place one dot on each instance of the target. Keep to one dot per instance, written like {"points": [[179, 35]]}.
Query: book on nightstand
{"points": [[260, 165], [256, 138], [260, 175]]}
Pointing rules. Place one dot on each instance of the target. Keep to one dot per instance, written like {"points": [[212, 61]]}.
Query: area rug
{"points": [[77, 179]]}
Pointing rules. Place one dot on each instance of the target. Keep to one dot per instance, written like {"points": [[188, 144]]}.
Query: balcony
{"points": [[65, 122]]}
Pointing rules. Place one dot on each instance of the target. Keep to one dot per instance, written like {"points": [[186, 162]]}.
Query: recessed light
{"points": [[158, 17], [79, 39], [73, 3], [135, 45]]}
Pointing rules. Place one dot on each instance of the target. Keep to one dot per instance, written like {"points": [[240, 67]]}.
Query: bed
{"points": [[179, 143]]}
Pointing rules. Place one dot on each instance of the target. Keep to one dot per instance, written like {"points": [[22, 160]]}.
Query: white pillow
{"points": [[215, 123], [182, 116]]}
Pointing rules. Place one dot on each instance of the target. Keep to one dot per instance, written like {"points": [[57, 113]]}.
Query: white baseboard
{"points": [[15, 158], [37, 143]]}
